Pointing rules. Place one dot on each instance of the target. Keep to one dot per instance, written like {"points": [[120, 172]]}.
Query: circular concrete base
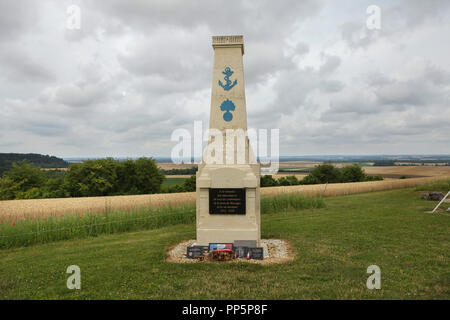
{"points": [[275, 251]]}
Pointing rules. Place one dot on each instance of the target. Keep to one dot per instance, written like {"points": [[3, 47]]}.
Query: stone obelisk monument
{"points": [[228, 197]]}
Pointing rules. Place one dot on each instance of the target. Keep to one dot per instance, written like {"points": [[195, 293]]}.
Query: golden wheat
{"points": [[35, 208]]}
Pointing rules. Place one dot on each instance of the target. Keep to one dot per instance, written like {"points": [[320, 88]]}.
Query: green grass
{"points": [[30, 232], [168, 182], [334, 246], [286, 202], [441, 185]]}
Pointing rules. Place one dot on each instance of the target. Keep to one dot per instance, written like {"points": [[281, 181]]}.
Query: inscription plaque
{"points": [[227, 201], [256, 253]]}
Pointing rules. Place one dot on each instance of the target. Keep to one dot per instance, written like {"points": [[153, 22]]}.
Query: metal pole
{"points": [[440, 202], [325, 189]]}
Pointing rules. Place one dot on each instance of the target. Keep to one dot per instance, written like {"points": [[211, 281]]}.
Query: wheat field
{"points": [[15, 210]]}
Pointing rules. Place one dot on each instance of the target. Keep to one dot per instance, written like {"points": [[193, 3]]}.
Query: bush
{"points": [[283, 181], [268, 181], [288, 181], [309, 179], [189, 185]]}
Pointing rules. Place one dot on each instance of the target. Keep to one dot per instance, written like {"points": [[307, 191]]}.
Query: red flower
{"points": [[44, 219], [62, 215], [13, 224]]}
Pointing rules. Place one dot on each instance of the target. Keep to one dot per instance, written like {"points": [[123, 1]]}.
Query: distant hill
{"points": [[40, 160]]}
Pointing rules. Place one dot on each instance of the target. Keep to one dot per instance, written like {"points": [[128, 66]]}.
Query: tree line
{"points": [[43, 161], [324, 173], [189, 171], [101, 177], [109, 177]]}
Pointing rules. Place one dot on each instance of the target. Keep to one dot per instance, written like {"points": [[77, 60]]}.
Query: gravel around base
{"points": [[275, 251]]}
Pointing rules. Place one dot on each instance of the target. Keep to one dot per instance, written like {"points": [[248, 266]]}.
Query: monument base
{"points": [[228, 203], [275, 251], [207, 236]]}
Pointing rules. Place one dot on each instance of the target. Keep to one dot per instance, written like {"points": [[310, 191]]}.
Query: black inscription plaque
{"points": [[256, 253], [227, 201]]}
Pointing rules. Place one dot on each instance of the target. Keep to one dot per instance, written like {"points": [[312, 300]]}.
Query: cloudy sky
{"points": [[138, 69]]}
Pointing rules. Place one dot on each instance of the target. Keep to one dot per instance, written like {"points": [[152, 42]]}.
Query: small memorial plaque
{"points": [[256, 253], [220, 246], [241, 252], [227, 201], [196, 251]]}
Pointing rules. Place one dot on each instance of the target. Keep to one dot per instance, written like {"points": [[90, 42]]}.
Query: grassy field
{"points": [[37, 231], [333, 247], [169, 181]]}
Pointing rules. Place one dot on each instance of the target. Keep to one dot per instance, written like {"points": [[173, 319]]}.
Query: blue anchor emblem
{"points": [[227, 86], [227, 106]]}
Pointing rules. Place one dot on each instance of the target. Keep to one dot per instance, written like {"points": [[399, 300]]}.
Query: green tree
{"points": [[353, 173], [21, 182], [54, 188], [283, 181], [148, 177], [324, 173], [127, 177], [8, 189], [293, 181], [92, 178]]}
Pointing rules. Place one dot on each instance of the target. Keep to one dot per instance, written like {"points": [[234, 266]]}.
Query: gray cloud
{"points": [[18, 65], [17, 18], [82, 94], [137, 70]]}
